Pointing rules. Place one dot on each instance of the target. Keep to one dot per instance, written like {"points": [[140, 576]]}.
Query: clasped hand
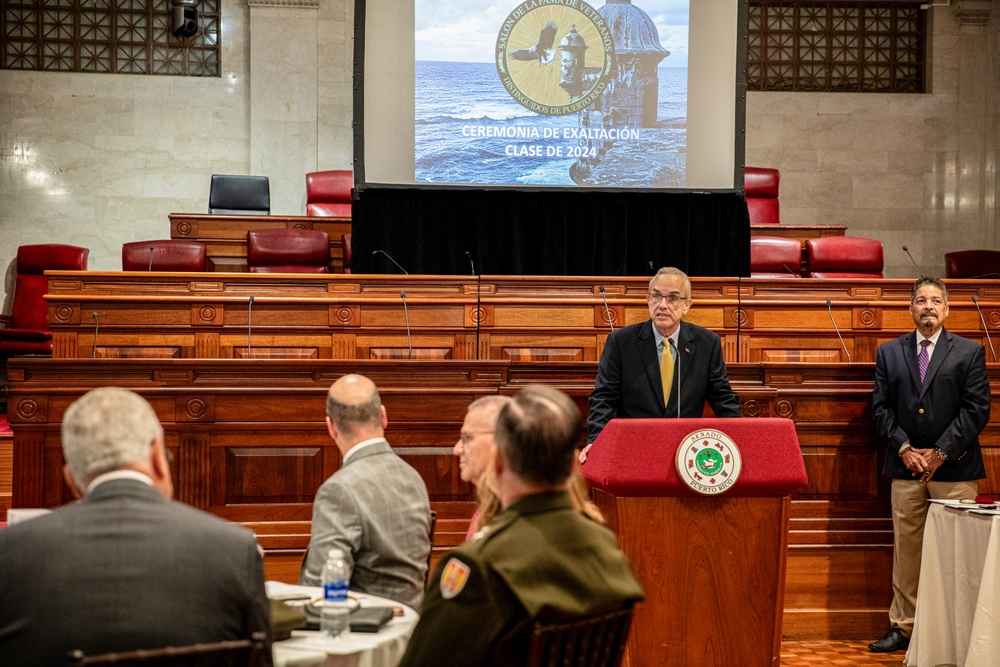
{"points": [[921, 462]]}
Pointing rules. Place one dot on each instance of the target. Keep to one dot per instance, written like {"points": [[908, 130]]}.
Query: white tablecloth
{"points": [[958, 602], [358, 649]]}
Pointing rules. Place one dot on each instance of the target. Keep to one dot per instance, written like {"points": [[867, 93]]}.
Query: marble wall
{"points": [[99, 160]]}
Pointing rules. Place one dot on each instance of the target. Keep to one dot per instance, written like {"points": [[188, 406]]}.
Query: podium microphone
{"points": [[471, 263], [97, 327], [913, 261], [150, 267], [406, 313], [829, 308], [249, 323], [375, 252], [607, 311], [975, 300], [674, 347]]}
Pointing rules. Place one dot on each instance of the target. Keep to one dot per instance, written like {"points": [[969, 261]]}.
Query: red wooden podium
{"points": [[713, 566]]}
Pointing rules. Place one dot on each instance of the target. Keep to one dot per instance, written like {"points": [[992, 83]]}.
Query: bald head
{"points": [[354, 410]]}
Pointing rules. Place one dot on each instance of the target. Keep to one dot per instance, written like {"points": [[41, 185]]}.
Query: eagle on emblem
{"points": [[542, 51]]}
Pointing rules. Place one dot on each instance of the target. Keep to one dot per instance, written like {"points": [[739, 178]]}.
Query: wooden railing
{"points": [[249, 444], [209, 315]]}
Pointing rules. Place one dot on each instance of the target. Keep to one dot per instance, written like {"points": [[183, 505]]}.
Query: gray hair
{"points": [[349, 417], [672, 271], [107, 429], [494, 401]]}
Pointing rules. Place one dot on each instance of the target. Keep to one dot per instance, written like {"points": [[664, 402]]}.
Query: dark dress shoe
{"points": [[891, 641]]}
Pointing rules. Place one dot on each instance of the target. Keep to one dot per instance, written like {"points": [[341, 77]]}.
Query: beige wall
{"points": [[914, 170], [99, 160]]}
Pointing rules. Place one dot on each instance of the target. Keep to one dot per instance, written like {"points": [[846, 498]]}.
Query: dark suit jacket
{"points": [[947, 411], [628, 377], [124, 569]]}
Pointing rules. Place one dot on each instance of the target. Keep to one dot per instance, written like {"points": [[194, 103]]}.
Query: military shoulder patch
{"points": [[453, 578]]}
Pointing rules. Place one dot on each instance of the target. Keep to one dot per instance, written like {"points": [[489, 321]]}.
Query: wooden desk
{"points": [[225, 236], [296, 316], [799, 232]]}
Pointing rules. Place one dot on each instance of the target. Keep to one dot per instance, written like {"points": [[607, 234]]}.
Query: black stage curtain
{"points": [[571, 233]]}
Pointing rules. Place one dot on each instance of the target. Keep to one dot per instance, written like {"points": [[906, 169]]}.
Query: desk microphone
{"points": [[479, 290], [406, 313], [913, 261], [975, 300], [249, 323], [650, 265], [794, 273], [97, 327], [607, 311], [375, 252], [678, 364], [150, 267], [829, 308]]}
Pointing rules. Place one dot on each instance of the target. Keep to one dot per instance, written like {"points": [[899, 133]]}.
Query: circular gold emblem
{"points": [[555, 58], [708, 461]]}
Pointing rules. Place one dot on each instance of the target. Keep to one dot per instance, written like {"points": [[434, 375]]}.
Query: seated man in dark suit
{"points": [[662, 367], [540, 560], [375, 508], [125, 568]]}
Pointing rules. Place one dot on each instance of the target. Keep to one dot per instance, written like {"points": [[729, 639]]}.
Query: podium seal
{"points": [[708, 462]]}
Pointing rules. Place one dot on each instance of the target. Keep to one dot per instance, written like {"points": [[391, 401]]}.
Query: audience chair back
{"points": [[972, 264], [761, 185], [345, 243], [590, 641], [235, 653], [27, 330], [775, 257], [844, 257], [164, 255], [239, 195], [288, 251], [328, 193]]}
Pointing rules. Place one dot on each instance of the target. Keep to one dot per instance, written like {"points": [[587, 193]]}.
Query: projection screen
{"points": [[549, 94]]}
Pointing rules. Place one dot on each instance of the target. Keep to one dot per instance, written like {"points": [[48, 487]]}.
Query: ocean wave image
{"points": [[468, 130]]}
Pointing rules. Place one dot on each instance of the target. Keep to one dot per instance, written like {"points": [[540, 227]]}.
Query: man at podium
{"points": [[636, 378]]}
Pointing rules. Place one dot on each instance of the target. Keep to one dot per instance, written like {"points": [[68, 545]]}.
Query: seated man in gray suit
{"points": [[125, 568], [375, 508]]}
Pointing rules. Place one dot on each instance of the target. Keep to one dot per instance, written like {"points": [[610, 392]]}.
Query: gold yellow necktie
{"points": [[666, 371]]}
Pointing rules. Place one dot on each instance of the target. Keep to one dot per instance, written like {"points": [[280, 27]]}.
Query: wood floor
{"points": [[835, 654]]}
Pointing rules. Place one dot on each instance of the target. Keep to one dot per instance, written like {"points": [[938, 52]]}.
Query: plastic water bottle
{"points": [[334, 614]]}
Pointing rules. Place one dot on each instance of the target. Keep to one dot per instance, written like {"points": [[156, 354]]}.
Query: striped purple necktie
{"points": [[923, 358]]}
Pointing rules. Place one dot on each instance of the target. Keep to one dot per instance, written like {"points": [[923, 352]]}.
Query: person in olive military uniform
{"points": [[540, 560]]}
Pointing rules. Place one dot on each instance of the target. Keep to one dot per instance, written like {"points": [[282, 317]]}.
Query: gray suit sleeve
{"points": [[336, 523]]}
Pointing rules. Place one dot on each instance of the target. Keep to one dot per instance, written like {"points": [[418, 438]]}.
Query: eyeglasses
{"points": [[672, 299], [466, 437]]}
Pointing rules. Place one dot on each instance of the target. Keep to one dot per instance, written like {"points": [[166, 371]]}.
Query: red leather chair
{"points": [[328, 193], [761, 185], [164, 255], [844, 257], [775, 257], [345, 242], [288, 251], [27, 330], [972, 264]]}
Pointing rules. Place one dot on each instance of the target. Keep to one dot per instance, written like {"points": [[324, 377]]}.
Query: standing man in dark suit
{"points": [[125, 568], [635, 379], [931, 401]]}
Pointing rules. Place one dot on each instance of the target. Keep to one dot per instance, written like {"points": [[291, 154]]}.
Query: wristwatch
{"points": [[905, 446]]}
